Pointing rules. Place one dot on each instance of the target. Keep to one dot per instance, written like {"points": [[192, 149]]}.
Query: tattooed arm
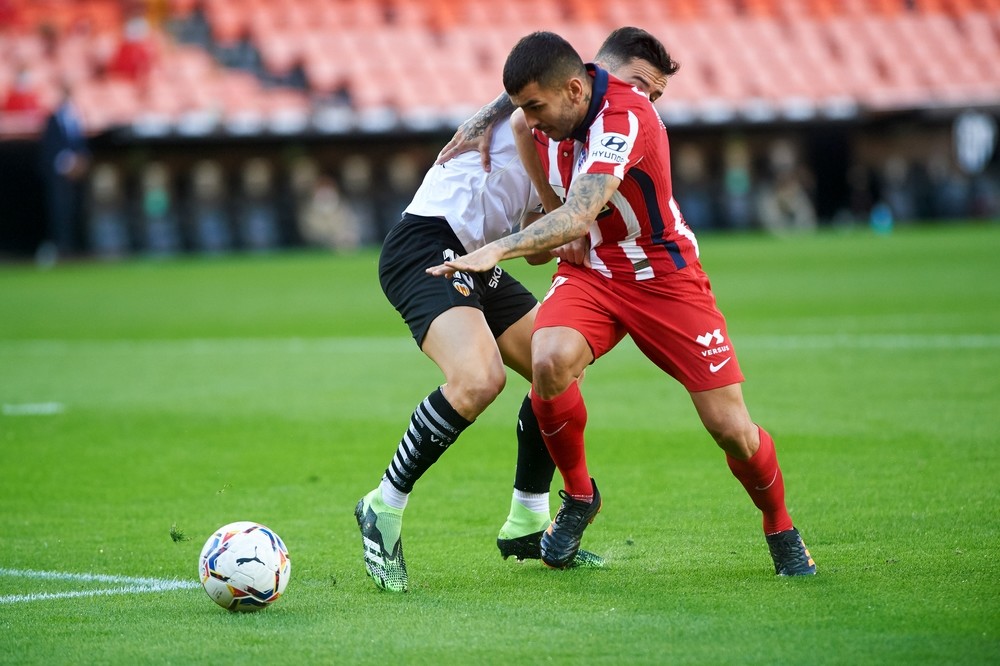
{"points": [[476, 132], [586, 198]]}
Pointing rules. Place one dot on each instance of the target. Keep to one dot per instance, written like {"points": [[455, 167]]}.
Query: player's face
{"points": [[554, 111], [643, 76]]}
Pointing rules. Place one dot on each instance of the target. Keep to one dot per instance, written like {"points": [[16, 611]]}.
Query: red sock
{"points": [[562, 420], [762, 479]]}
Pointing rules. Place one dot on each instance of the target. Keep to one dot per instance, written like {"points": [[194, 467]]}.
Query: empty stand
{"points": [[430, 58]]}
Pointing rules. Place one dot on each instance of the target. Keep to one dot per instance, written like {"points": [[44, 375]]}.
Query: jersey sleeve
{"points": [[614, 144]]}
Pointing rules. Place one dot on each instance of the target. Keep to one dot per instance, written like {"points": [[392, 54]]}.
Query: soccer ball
{"points": [[244, 566]]}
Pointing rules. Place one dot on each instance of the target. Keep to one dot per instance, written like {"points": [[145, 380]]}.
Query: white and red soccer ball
{"points": [[244, 566]]}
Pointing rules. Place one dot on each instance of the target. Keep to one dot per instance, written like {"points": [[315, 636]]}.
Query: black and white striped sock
{"points": [[434, 426]]}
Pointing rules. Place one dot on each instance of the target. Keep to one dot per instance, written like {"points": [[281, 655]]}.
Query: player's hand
{"points": [[468, 137], [480, 261], [575, 252]]}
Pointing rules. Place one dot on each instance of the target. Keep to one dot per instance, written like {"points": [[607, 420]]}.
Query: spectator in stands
{"points": [[737, 186], [134, 57], [326, 221], [303, 173], [22, 97], [984, 196], [160, 232], [107, 223], [784, 203], [949, 189], [258, 210], [861, 194], [897, 188], [211, 230], [356, 176], [65, 159], [403, 176], [694, 191]]}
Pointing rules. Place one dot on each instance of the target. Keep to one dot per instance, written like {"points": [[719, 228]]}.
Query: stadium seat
{"points": [[585, 37], [227, 21], [442, 54], [104, 104], [646, 15], [279, 51], [361, 15], [324, 72], [182, 8], [407, 13], [586, 11]]}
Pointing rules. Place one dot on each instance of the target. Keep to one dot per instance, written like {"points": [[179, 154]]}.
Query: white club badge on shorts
{"points": [[460, 281]]}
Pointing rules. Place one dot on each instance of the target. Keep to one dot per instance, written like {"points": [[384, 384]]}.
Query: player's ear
{"points": [[575, 89]]}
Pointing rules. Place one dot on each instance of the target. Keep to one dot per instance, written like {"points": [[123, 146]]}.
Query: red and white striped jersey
{"points": [[641, 233]]}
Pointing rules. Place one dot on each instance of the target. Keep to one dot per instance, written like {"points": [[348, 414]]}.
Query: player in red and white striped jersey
{"points": [[643, 280], [641, 233]]}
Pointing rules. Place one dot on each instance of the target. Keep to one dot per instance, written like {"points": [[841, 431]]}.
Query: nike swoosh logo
{"points": [[770, 484], [550, 434], [715, 368]]}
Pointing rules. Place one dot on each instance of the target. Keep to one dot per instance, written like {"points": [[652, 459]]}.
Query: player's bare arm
{"points": [[476, 132], [587, 197], [541, 257], [524, 141]]}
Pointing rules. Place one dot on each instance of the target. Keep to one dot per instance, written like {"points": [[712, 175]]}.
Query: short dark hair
{"points": [[544, 58], [627, 44]]}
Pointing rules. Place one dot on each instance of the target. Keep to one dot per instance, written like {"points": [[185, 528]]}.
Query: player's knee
{"points": [[734, 437], [550, 375], [476, 389]]}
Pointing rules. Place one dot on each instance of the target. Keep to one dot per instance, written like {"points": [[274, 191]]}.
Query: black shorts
{"points": [[416, 243]]}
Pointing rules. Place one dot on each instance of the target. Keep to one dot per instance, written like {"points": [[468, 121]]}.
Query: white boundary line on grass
{"points": [[126, 585], [33, 409]]}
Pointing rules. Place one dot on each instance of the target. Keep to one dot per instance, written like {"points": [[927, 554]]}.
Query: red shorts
{"points": [[672, 319]]}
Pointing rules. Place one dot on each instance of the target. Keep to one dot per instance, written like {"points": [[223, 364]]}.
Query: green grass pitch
{"points": [[147, 399]]}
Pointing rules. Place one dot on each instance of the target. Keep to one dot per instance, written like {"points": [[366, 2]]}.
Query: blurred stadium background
{"points": [[237, 125]]}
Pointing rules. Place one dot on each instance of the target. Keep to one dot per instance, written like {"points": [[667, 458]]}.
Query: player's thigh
{"points": [[460, 342], [515, 344]]}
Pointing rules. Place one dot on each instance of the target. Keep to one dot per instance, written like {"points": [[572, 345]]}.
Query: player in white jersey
{"points": [[477, 205], [471, 326]]}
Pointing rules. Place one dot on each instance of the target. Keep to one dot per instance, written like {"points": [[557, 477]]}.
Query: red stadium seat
{"points": [[182, 8], [228, 22], [436, 56], [325, 73], [280, 51], [587, 11]]}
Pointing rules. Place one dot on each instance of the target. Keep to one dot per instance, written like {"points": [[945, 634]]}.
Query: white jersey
{"points": [[480, 207]]}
